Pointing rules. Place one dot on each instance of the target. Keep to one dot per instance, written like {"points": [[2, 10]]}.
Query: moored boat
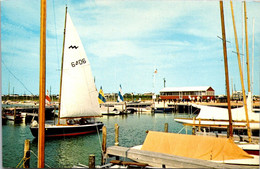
{"points": [[78, 95]]}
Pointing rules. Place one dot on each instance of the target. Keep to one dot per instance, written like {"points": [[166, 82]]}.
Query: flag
{"points": [[101, 96], [155, 71], [47, 98], [120, 95]]}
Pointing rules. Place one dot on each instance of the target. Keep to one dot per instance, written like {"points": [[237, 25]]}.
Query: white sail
{"points": [[79, 97]]}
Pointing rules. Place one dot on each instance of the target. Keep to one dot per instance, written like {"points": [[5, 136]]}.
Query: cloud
{"points": [[136, 36]]}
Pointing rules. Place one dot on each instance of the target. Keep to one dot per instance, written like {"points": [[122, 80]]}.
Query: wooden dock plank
{"points": [[159, 159]]}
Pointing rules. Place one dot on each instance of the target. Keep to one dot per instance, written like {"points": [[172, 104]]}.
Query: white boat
{"points": [[216, 117], [78, 94]]}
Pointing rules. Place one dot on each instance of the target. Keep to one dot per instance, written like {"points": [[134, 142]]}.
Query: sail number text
{"points": [[78, 62]]}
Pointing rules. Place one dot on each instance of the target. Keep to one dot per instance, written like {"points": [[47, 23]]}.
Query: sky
{"points": [[126, 41]]}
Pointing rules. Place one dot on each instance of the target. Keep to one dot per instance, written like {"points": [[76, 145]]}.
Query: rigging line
{"points": [[37, 158], [16, 78], [54, 16], [100, 144]]}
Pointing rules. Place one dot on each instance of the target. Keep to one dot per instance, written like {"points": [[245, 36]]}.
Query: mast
{"points": [[41, 131], [243, 43], [241, 75], [226, 69], [253, 46], [62, 63], [247, 52]]}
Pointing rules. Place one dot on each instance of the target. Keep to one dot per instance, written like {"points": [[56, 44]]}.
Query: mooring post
{"points": [[193, 127], [199, 125], [166, 127], [14, 114], [26, 156], [116, 134], [91, 162], [104, 145], [54, 115]]}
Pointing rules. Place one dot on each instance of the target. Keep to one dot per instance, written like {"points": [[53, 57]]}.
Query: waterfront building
{"points": [[188, 93]]}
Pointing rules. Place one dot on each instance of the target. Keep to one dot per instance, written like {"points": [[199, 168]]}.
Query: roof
{"points": [[185, 89]]}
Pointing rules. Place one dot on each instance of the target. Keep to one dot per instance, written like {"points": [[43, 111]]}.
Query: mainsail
{"points": [[78, 91]]}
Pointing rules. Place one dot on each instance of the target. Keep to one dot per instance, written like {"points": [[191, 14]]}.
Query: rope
{"points": [[16, 78], [100, 144], [181, 129], [37, 158], [19, 163]]}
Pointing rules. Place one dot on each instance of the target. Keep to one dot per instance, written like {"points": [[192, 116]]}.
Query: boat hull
{"points": [[68, 130]]}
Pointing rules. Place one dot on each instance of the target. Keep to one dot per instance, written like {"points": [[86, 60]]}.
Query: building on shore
{"points": [[199, 93]]}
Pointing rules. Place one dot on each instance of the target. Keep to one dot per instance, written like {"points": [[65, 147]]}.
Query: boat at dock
{"points": [[216, 118], [78, 95], [171, 150]]}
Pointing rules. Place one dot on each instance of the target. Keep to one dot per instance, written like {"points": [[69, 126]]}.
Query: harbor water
{"points": [[66, 152]]}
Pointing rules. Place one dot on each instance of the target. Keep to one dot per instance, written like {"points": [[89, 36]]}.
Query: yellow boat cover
{"points": [[192, 146]]}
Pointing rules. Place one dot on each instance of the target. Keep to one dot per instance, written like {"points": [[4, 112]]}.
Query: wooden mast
{"points": [[253, 44], [230, 133], [247, 50], [41, 131], [61, 74], [241, 75]]}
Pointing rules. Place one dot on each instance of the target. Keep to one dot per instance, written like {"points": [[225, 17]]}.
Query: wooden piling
{"points": [[104, 145], [193, 127], [199, 125], [91, 162], [14, 114], [116, 134], [166, 127], [26, 156]]}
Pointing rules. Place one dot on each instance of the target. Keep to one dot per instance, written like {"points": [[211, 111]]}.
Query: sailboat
{"points": [[78, 95], [243, 118]]}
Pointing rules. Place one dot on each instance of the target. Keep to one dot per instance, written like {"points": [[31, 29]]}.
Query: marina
{"points": [[189, 126], [65, 152]]}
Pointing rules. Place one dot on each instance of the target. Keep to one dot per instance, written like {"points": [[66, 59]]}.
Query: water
{"points": [[68, 151]]}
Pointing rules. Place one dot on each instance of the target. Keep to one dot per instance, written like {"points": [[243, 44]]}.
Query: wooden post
{"points": [[199, 125], [91, 162], [54, 115], [166, 127], [26, 156], [193, 127], [14, 115], [104, 145], [116, 134]]}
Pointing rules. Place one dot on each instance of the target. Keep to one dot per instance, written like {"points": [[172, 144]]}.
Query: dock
{"points": [[28, 112]]}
